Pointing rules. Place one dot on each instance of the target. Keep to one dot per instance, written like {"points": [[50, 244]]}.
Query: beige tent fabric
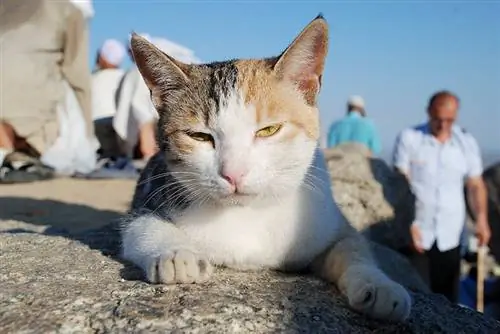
{"points": [[43, 42]]}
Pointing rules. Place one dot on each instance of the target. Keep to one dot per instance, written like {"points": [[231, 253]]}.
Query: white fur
{"points": [[286, 221]]}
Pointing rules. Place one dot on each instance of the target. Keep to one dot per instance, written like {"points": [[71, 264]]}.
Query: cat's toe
{"points": [[179, 267], [395, 302], [386, 300], [363, 298], [372, 293], [190, 267], [165, 269]]}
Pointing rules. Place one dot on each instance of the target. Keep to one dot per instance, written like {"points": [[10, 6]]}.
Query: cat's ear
{"points": [[161, 73], [303, 60]]}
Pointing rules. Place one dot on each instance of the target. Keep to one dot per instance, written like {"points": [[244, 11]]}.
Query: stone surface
{"points": [[374, 198], [56, 275], [73, 283]]}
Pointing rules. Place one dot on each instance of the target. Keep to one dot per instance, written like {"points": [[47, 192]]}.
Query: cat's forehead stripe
{"points": [[223, 78]]}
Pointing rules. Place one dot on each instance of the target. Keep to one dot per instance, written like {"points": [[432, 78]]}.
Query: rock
{"points": [[375, 199], [492, 179], [491, 176], [73, 283]]}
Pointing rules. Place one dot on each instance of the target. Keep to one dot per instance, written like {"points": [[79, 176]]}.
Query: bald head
{"points": [[442, 110], [442, 97]]}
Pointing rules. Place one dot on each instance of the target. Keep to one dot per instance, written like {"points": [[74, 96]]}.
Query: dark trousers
{"points": [[111, 145], [439, 270]]}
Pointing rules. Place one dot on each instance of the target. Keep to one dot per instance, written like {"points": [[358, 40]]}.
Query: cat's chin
{"points": [[237, 199]]}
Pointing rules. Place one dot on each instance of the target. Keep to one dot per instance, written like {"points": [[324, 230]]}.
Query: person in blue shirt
{"points": [[355, 127]]}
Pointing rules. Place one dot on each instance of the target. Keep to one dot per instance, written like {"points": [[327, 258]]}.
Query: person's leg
{"points": [[107, 137], [7, 136], [11, 141], [445, 272]]}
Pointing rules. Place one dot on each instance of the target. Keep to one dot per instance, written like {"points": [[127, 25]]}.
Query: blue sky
{"points": [[393, 53]]}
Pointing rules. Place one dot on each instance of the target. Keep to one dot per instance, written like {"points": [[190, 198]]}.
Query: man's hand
{"points": [[483, 231], [416, 238]]}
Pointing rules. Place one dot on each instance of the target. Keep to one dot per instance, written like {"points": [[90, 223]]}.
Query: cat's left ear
{"points": [[162, 74], [303, 60]]}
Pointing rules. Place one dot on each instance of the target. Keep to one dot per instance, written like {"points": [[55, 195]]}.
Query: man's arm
{"points": [[476, 189], [75, 65]]}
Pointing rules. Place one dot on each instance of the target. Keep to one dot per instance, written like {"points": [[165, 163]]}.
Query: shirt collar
{"points": [[354, 114], [430, 138]]}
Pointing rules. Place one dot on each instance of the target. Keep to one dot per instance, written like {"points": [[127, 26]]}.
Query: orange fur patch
{"points": [[275, 100]]}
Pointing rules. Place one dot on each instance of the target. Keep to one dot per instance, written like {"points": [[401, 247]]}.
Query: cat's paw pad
{"points": [[179, 267], [380, 298]]}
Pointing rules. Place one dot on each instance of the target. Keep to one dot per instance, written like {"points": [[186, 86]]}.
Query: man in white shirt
{"points": [[105, 82], [136, 118], [437, 157]]}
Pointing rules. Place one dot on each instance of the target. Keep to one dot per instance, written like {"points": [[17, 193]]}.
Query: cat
{"points": [[239, 180]]}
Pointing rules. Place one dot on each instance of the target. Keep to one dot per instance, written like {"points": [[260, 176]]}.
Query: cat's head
{"points": [[238, 130]]}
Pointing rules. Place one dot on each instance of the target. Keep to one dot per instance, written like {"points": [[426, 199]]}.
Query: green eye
{"points": [[201, 136], [268, 131]]}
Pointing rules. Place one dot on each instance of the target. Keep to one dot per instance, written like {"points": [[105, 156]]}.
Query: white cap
{"points": [[356, 101], [172, 49], [113, 52]]}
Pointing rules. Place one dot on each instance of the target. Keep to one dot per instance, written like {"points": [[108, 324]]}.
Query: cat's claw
{"points": [[379, 297], [182, 266]]}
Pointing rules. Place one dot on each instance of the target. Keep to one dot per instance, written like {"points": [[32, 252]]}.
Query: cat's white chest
{"points": [[246, 237]]}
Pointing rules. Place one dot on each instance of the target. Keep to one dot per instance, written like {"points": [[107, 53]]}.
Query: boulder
{"points": [[374, 198], [54, 281], [491, 176]]}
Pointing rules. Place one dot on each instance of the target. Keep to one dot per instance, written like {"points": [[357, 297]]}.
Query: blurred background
{"points": [[393, 53]]}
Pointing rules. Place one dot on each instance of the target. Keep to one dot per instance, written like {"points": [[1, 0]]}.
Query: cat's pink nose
{"points": [[230, 179]]}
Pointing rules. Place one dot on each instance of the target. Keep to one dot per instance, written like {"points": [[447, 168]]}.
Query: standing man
{"points": [[437, 157], [355, 127]]}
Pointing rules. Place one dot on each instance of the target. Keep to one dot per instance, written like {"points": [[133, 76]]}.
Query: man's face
{"points": [[442, 115]]}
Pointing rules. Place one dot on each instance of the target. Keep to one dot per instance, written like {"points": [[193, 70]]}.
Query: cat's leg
{"points": [[163, 251], [349, 264]]}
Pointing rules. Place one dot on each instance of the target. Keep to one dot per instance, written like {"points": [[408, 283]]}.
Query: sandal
{"points": [[18, 168]]}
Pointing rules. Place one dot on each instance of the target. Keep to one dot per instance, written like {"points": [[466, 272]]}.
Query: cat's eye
{"points": [[268, 131], [201, 136]]}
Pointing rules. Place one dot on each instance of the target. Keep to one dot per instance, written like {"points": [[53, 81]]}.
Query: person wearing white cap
{"points": [[105, 81], [355, 127], [136, 117]]}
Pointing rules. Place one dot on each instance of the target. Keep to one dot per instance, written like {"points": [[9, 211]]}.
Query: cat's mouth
{"points": [[240, 194], [237, 198]]}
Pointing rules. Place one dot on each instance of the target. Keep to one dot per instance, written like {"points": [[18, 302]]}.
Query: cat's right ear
{"points": [[161, 73], [303, 60]]}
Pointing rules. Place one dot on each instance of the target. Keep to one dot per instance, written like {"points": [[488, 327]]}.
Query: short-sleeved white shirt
{"points": [[437, 172], [104, 86]]}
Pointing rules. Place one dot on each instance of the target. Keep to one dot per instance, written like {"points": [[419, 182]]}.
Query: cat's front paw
{"points": [[374, 294], [181, 266]]}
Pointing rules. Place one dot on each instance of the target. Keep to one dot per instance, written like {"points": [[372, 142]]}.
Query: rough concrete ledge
{"points": [[51, 281]]}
